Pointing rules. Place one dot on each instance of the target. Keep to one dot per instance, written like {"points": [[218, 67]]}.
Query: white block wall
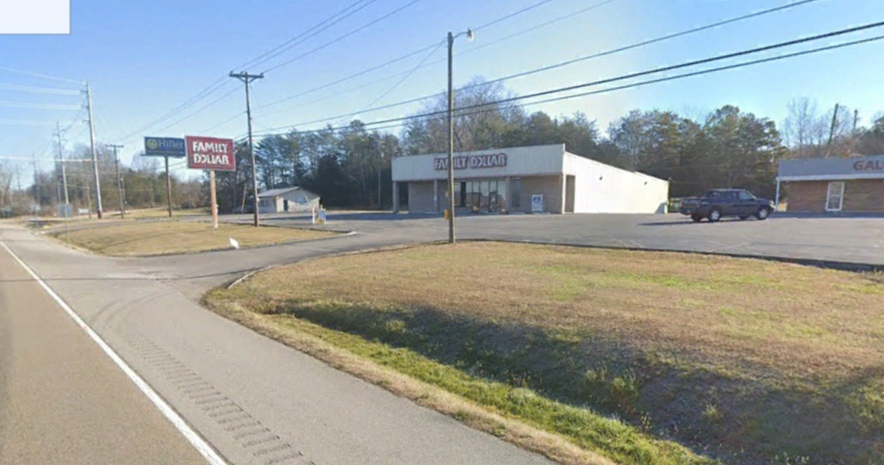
{"points": [[602, 188]]}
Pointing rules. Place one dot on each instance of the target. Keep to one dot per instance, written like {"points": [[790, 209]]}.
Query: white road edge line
{"points": [[192, 436]]}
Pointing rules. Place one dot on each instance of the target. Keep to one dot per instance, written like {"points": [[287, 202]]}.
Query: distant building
{"points": [[287, 199], [539, 179], [834, 184]]}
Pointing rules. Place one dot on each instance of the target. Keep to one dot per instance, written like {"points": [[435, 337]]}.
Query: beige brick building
{"points": [[834, 184], [539, 179]]}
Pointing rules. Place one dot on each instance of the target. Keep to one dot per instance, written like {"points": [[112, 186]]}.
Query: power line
{"points": [[653, 41], [180, 120], [204, 131], [322, 26], [37, 106], [464, 110], [405, 78], [39, 75], [514, 14], [223, 81], [558, 65], [21, 122], [340, 38], [39, 90], [352, 76], [212, 88], [422, 50]]}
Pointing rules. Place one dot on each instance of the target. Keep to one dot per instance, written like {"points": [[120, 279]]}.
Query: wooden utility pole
{"points": [[98, 208], [168, 187], [119, 180], [214, 199], [832, 131], [64, 174], [247, 78]]}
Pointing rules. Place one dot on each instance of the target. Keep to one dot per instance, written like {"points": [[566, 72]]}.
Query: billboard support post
{"points": [[214, 199], [211, 154], [168, 187], [165, 147]]}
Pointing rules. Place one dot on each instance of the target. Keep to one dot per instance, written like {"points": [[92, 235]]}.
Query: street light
{"points": [[470, 36]]}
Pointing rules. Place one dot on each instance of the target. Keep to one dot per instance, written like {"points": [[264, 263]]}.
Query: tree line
{"points": [[351, 167]]}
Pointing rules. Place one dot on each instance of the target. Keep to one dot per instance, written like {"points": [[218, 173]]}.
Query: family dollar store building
{"points": [[539, 179], [818, 185]]}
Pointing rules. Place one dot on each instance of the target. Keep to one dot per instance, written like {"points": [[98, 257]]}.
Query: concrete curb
{"points": [[248, 275], [825, 264]]}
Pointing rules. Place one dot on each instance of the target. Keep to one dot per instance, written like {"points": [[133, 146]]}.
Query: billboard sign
{"points": [[209, 153], [164, 147]]}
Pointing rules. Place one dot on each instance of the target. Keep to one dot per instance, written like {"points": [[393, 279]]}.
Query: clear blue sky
{"points": [[143, 58]]}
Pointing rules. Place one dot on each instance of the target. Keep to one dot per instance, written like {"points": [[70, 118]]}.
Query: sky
{"points": [[143, 59]]}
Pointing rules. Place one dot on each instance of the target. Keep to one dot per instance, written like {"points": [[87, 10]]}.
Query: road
{"points": [[257, 401], [254, 400], [847, 240], [62, 400]]}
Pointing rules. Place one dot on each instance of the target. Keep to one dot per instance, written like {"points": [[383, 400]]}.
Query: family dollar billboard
{"points": [[209, 153]]}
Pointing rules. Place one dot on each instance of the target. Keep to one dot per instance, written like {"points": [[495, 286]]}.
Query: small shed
{"points": [[286, 200]]}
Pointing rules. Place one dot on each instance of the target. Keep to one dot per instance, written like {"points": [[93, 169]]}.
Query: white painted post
{"points": [[777, 201]]}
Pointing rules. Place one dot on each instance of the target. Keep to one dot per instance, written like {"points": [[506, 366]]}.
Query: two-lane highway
{"points": [[255, 401], [62, 399]]}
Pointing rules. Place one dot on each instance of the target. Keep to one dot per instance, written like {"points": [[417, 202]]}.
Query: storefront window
{"points": [[516, 186]]}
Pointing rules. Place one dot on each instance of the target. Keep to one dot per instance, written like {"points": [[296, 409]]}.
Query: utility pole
{"points": [[120, 180], [98, 208], [247, 78], [36, 183], [380, 162], [64, 174], [832, 131], [451, 37]]}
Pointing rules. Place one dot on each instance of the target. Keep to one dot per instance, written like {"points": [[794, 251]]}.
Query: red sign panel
{"points": [[209, 153]]}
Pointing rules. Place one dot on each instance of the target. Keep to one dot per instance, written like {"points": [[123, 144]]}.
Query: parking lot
{"points": [[853, 240]]}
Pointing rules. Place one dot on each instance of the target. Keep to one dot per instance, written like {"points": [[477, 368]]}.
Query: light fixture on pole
{"points": [[470, 36]]}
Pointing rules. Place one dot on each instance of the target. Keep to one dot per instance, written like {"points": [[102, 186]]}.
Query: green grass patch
{"points": [[642, 357]]}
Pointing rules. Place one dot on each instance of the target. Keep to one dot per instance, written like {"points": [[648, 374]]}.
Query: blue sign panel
{"points": [[164, 147]]}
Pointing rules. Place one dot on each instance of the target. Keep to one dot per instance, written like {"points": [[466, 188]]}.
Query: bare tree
{"points": [[6, 174], [809, 133]]}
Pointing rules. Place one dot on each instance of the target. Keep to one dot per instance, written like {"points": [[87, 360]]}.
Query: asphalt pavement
{"points": [[62, 400], [254, 400], [854, 242], [257, 401]]}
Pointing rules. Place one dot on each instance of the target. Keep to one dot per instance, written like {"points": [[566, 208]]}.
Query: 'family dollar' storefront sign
{"points": [[496, 160], [209, 153]]}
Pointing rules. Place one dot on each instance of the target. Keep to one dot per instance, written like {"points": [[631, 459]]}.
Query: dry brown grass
{"points": [[158, 213], [728, 355], [167, 237]]}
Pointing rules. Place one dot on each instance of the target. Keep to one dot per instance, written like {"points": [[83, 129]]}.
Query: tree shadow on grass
{"points": [[735, 419]]}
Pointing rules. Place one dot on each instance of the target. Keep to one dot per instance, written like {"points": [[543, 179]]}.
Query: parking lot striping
{"points": [[192, 436]]}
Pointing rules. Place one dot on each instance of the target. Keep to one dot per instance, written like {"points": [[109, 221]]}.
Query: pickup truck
{"points": [[719, 203]]}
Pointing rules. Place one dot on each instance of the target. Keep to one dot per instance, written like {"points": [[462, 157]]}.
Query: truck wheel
{"points": [[763, 213], [714, 215], [696, 218]]}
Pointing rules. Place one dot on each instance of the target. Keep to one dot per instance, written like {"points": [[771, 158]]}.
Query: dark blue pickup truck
{"points": [[718, 203]]}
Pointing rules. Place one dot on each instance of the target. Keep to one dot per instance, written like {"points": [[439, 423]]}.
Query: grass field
{"points": [[743, 361], [165, 237]]}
